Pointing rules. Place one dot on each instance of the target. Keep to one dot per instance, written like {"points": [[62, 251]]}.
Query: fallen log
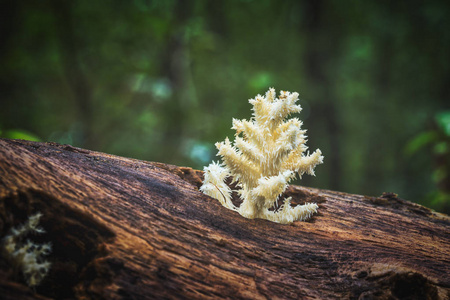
{"points": [[123, 228]]}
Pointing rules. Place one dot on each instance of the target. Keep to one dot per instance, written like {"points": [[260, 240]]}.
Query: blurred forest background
{"points": [[162, 80]]}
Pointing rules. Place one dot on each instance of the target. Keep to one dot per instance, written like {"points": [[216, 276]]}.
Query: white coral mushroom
{"points": [[26, 255], [267, 156]]}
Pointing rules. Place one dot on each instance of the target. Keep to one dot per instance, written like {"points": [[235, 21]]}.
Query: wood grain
{"points": [[123, 228]]}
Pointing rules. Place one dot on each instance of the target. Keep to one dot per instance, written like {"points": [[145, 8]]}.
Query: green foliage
{"points": [[438, 142], [19, 134], [443, 121], [421, 140], [160, 80]]}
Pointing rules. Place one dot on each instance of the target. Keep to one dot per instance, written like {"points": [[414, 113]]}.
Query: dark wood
{"points": [[123, 228]]}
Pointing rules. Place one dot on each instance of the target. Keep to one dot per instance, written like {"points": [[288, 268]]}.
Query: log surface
{"points": [[123, 228]]}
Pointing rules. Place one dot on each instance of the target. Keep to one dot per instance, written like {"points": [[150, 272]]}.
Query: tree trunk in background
{"points": [[317, 57], [75, 76], [175, 65], [128, 229], [8, 76]]}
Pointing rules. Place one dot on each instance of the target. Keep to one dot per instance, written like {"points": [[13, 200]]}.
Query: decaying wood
{"points": [[128, 229]]}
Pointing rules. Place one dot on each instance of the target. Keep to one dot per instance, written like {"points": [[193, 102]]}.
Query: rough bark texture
{"points": [[128, 229]]}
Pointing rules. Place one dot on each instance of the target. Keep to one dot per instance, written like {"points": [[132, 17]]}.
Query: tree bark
{"points": [[122, 228]]}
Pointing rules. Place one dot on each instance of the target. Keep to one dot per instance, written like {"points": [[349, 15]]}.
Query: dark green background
{"points": [[162, 80]]}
